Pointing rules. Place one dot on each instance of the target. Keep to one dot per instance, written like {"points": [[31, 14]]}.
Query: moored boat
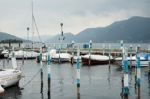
{"points": [[96, 59], [144, 60], [25, 54], [10, 77]]}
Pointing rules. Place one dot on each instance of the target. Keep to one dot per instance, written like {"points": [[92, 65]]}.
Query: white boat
{"points": [[56, 57], [96, 59], [44, 55], [144, 60], [9, 77], [62, 57], [25, 54]]}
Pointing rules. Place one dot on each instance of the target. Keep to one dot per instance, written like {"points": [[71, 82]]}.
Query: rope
{"points": [[32, 78], [37, 29]]}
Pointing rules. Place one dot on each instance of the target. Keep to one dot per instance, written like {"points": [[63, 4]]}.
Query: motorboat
{"points": [[10, 77], [144, 60], [56, 57], [20, 54], [96, 59]]}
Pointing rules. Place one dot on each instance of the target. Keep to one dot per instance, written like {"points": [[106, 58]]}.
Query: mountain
{"points": [[134, 29], [5, 36]]}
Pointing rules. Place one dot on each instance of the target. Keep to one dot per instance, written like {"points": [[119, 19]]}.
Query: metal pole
{"points": [[149, 68], [72, 58], [125, 78], [90, 46], [121, 44], [138, 68], [28, 36], [41, 70], [49, 72], [109, 48], [130, 56], [78, 71]]}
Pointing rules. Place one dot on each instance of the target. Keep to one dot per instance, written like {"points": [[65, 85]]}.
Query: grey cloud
{"points": [[76, 14]]}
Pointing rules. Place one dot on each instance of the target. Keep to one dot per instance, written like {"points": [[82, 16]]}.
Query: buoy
{"points": [[1, 90]]}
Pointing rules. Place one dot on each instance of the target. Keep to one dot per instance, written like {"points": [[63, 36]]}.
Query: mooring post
{"points": [[49, 71], [103, 48], [72, 57], [4, 64], [121, 47], [125, 77], [90, 46], [130, 56], [109, 48], [78, 71], [149, 69], [138, 68], [23, 57], [41, 65]]}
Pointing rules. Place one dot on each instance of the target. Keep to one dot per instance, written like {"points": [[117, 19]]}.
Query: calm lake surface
{"points": [[97, 82]]}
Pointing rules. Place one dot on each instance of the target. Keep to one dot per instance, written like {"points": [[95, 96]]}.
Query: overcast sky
{"points": [[77, 15]]}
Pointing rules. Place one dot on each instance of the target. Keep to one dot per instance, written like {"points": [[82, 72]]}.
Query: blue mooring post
{"points": [[90, 46], [125, 76], [49, 71], [40, 57], [78, 71], [138, 68]]}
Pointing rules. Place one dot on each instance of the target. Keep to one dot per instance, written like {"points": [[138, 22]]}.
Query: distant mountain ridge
{"points": [[134, 29], [6, 36]]}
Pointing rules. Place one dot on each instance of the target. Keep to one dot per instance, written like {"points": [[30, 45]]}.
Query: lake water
{"points": [[97, 82]]}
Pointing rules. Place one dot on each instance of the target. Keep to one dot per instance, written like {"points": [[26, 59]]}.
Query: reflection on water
{"points": [[13, 92], [149, 83], [97, 82], [78, 96], [109, 75]]}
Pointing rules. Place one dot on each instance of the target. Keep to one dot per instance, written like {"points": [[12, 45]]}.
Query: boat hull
{"points": [[2, 56], [85, 61], [143, 63], [61, 60], [10, 78]]}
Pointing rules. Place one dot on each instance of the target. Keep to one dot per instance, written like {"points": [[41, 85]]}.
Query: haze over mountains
{"points": [[135, 29]]}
